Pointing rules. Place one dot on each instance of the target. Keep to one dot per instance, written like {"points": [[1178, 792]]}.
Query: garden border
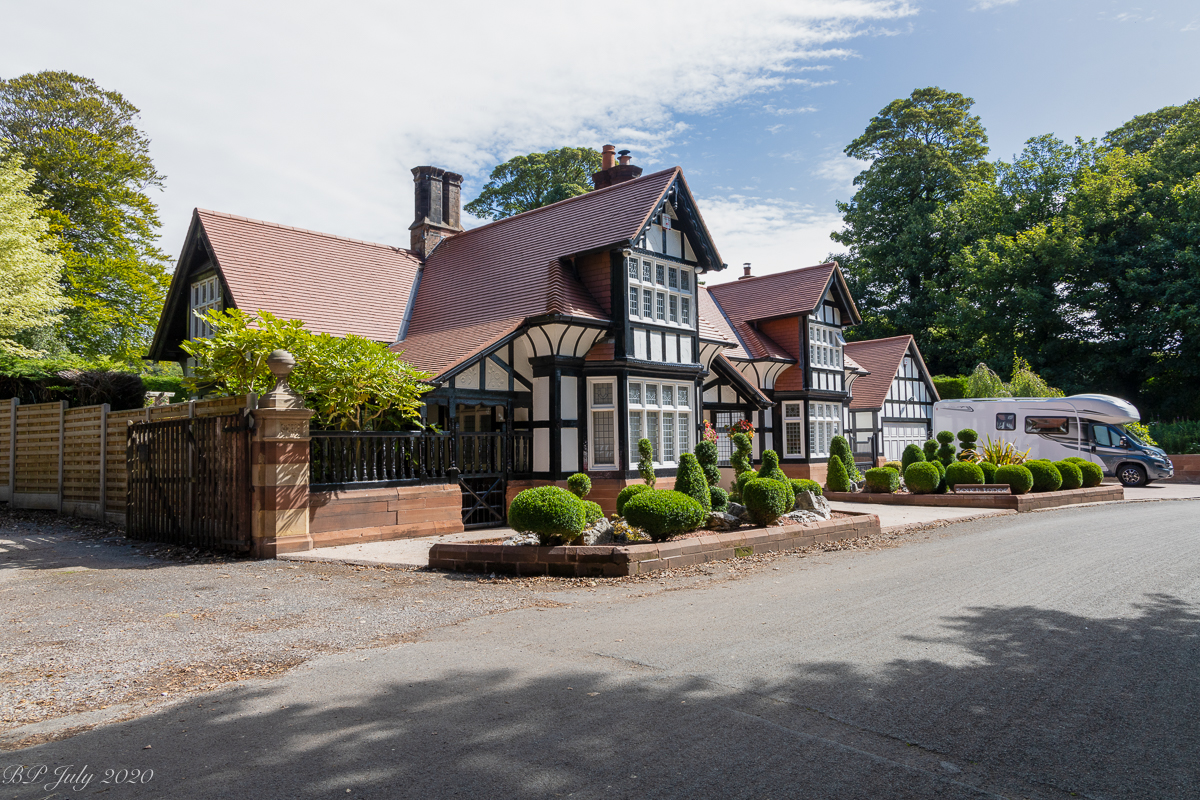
{"points": [[613, 561], [1019, 502]]}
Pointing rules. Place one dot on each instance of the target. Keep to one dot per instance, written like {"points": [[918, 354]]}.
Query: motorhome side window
{"points": [[1006, 422], [1047, 425]]}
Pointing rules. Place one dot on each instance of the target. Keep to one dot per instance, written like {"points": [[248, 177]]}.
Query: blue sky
{"points": [[311, 115]]}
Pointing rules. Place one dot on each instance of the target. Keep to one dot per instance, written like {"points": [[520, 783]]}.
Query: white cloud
{"points": [[311, 114], [786, 111], [1194, 25], [775, 128], [841, 171], [983, 5], [773, 235]]}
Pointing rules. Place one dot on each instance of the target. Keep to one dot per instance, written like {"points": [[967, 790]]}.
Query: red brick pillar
{"points": [[280, 465]]}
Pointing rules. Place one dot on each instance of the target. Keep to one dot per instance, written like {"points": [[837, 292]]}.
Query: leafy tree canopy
{"points": [[350, 383], [93, 167], [527, 182], [30, 265]]}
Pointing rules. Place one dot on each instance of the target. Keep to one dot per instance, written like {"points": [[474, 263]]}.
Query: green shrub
{"points": [[967, 439], [663, 514], [689, 479], [1018, 477], [947, 450], [1072, 475], [922, 477], [579, 485], [627, 494], [989, 471], [838, 446], [592, 512], [911, 455], [942, 488], [836, 480], [646, 461], [1093, 474], [895, 466], [950, 388], [963, 472], [805, 485], [767, 500], [771, 471], [551, 512], [1180, 437], [883, 480], [931, 449], [740, 482], [707, 455], [719, 498], [740, 461], [1046, 477]]}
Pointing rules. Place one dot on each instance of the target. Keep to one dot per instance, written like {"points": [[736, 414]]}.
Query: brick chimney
{"points": [[611, 173], [745, 272], [438, 214]]}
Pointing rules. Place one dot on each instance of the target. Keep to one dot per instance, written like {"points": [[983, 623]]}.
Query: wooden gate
{"points": [[482, 461], [189, 482]]}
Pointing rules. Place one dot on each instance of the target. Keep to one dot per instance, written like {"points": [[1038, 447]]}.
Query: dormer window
{"points": [[206, 296]]}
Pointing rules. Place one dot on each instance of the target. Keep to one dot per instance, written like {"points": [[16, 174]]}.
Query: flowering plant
{"points": [[742, 426], [710, 433]]}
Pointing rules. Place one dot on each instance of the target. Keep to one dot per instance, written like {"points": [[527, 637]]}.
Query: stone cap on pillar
{"points": [[281, 362]]}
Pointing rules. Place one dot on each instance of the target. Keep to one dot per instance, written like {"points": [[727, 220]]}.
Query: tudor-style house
{"points": [[563, 335], [892, 406]]}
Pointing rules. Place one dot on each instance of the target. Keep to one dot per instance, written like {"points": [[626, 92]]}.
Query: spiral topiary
{"points": [[579, 485], [719, 498], [989, 471], [767, 500], [967, 439], [836, 480], [689, 479], [922, 477], [946, 452], [911, 455], [1046, 477], [963, 472], [883, 480], [707, 455], [1072, 475], [740, 461], [551, 512], [663, 514], [646, 461], [1017, 476], [627, 494]]}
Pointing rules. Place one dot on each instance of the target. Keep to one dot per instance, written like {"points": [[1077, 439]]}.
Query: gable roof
{"points": [[782, 294], [751, 343], [882, 358]]}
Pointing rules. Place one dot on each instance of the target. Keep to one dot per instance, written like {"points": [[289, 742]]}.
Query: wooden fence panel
{"points": [[7, 422], [82, 430], [39, 429], [118, 433]]}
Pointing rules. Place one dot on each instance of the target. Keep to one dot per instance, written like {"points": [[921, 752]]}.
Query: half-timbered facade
{"points": [[892, 402]]}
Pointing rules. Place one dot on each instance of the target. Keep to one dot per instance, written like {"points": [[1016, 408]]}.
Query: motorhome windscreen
{"points": [[1047, 425], [1130, 435]]}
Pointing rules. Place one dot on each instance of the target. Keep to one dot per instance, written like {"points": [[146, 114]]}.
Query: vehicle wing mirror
{"points": [[1124, 443]]}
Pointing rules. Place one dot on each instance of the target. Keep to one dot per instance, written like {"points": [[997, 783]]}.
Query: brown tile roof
{"points": [[601, 351], [851, 364], [882, 357], [790, 380], [713, 325], [751, 344], [782, 294], [336, 285], [436, 351]]}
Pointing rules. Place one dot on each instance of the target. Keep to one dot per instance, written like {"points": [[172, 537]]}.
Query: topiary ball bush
{"points": [[894, 465], [689, 479], [922, 477], [1093, 474], [989, 471], [718, 498], [767, 500], [579, 485], [883, 480], [963, 472], [837, 480], [551, 512], [805, 485], [1046, 477], [771, 471], [931, 448], [627, 494], [967, 439], [740, 481], [592, 512], [663, 514], [1072, 475], [945, 437], [1017, 476], [911, 455], [942, 488]]}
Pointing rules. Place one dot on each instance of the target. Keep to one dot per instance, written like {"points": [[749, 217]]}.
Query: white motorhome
{"points": [[1091, 426]]}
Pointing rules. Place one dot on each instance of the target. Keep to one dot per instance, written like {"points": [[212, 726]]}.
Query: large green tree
{"points": [[924, 151], [535, 180], [93, 167], [30, 264]]}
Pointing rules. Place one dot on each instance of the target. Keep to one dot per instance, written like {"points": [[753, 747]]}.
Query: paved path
{"points": [[1046, 655]]}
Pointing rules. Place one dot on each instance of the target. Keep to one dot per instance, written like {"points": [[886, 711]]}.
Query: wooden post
{"points": [[104, 409], [190, 502], [62, 448], [12, 452]]}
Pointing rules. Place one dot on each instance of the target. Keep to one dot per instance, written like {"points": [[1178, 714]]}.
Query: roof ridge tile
{"points": [[322, 234]]}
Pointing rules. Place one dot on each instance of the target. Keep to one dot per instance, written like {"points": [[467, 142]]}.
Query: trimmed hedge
{"points": [[895, 466], [1046, 477], [836, 480], [551, 512], [989, 471], [911, 455], [1017, 476], [884, 480], [771, 471], [1093, 473], [579, 485], [767, 500], [689, 479], [663, 514], [592, 512], [963, 472], [627, 494], [942, 488], [922, 477], [718, 498], [805, 485], [1072, 475]]}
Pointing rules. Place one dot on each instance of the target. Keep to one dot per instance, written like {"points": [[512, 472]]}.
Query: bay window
{"points": [[824, 422], [660, 412]]}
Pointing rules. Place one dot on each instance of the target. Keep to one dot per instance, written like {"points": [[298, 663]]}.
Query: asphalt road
{"points": [[1047, 655]]}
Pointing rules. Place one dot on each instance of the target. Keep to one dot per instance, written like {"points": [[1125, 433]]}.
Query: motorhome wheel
{"points": [[1132, 475]]}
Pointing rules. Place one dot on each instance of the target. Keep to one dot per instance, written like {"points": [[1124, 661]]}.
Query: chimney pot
{"points": [[623, 157], [745, 271], [612, 172], [608, 156]]}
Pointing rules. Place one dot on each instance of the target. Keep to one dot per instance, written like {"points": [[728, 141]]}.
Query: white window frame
{"points": [[205, 297], [824, 346], [677, 418], [793, 420], [824, 422], [643, 274], [604, 408]]}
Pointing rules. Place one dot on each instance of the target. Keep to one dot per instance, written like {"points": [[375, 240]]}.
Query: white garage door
{"points": [[898, 436]]}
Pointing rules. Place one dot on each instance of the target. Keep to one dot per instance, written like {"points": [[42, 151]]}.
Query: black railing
{"points": [[340, 459], [522, 453]]}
